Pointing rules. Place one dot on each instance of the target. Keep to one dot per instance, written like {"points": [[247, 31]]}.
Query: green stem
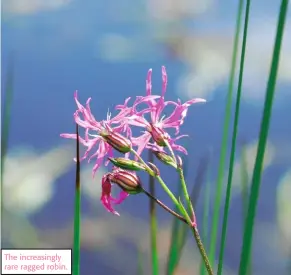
{"points": [[163, 184], [244, 195], [198, 242], [160, 180], [77, 214], [265, 123], [202, 250], [182, 179], [219, 188], [180, 206], [154, 199], [233, 143], [186, 194]]}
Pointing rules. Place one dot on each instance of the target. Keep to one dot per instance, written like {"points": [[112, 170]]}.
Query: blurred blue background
{"points": [[104, 49]]}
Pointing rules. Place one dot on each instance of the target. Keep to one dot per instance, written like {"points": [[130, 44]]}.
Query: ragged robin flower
{"points": [[105, 135], [129, 182], [158, 124]]}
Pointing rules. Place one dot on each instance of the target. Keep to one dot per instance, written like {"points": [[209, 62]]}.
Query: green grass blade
{"points": [[206, 209], [244, 192], [77, 212], [153, 223], [218, 196], [256, 179], [233, 142], [8, 91]]}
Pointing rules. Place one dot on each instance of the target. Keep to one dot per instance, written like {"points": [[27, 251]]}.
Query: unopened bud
{"points": [[155, 169], [158, 135], [127, 164], [179, 162], [128, 181], [117, 141], [165, 158]]}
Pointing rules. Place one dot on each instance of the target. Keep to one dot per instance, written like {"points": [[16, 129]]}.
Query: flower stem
{"points": [[163, 184], [192, 222], [186, 194], [160, 180], [148, 169], [202, 250], [184, 186], [165, 207]]}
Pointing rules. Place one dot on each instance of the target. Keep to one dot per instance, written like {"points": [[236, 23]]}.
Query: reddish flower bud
{"points": [[117, 141], [179, 162], [155, 169], [158, 135], [127, 181]]}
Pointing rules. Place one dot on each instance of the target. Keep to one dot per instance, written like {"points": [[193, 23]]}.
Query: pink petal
{"points": [[106, 197], [149, 83], [138, 121], [158, 110], [118, 107], [121, 197], [141, 142], [165, 80], [179, 148], [74, 136]]}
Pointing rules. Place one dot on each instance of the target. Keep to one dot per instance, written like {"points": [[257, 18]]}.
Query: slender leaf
{"points": [[219, 185], [265, 123], [244, 193], [77, 212], [7, 102], [233, 143]]}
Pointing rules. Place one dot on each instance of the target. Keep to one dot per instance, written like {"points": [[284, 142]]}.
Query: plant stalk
{"points": [[202, 250]]}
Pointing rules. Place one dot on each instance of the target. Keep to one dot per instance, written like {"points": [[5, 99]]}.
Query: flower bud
{"points": [[127, 181], [179, 162], [117, 141], [155, 169], [159, 135], [165, 158], [127, 164]]}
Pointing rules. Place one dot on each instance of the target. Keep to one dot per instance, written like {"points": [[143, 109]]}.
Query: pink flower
{"points": [[155, 128], [107, 133], [129, 182]]}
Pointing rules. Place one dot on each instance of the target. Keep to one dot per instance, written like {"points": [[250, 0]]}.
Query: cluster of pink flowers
{"points": [[115, 133]]}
